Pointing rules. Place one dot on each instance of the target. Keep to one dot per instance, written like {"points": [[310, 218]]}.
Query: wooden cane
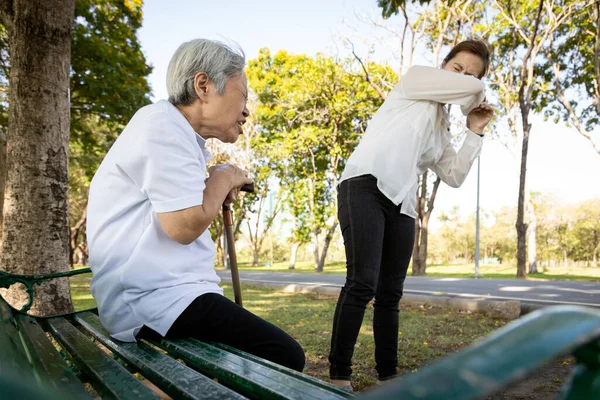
{"points": [[228, 223]]}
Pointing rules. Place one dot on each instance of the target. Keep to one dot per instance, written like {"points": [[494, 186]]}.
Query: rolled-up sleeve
{"points": [[167, 166]]}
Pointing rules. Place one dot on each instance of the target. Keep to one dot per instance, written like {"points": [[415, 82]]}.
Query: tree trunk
{"points": [[420, 255], [417, 265], [328, 238], [521, 225], [2, 177], [424, 209], [226, 261], [531, 238], [595, 253], [76, 231], [255, 255], [525, 89], [293, 255], [565, 256], [316, 248], [36, 219]]}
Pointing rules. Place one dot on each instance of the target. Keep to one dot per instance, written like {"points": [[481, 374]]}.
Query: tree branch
{"points": [[524, 100], [596, 14], [565, 102], [367, 76], [436, 185], [513, 22]]}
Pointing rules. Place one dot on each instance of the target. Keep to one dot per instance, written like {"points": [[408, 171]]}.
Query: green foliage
{"points": [[391, 7], [108, 75], [572, 50], [568, 233], [310, 114], [108, 70], [565, 234]]}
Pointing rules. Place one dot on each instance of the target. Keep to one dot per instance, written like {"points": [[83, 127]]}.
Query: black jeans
{"points": [[214, 318], [379, 243]]}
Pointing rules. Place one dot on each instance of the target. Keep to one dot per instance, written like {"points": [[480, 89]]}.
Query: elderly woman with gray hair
{"points": [[150, 205]]}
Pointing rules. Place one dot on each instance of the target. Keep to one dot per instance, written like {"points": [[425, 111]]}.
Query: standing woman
{"points": [[377, 194]]}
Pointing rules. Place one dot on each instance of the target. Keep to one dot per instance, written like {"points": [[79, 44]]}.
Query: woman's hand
{"points": [[479, 117], [237, 178]]}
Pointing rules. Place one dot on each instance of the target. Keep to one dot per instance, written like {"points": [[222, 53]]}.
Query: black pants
{"points": [[379, 242], [214, 318]]}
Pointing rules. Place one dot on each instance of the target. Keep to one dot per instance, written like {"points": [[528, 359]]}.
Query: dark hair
{"points": [[477, 47]]}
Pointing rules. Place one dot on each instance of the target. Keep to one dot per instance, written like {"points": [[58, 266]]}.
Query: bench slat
{"points": [[14, 357], [45, 358], [242, 375], [107, 376], [506, 356], [285, 370], [174, 378]]}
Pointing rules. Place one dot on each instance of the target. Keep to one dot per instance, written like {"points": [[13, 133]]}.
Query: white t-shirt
{"points": [[140, 275], [410, 133]]}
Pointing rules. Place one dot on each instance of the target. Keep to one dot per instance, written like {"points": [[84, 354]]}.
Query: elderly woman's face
{"points": [[227, 112], [465, 63]]}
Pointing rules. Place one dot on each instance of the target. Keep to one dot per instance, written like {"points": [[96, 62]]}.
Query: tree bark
{"points": [[316, 256], [256, 253], [521, 225], [2, 177], [293, 255], [226, 260], [76, 231], [36, 219], [525, 89], [328, 238], [424, 210], [596, 14], [531, 237]]}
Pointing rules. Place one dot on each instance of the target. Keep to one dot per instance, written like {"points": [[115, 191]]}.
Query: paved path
{"points": [[536, 292]]}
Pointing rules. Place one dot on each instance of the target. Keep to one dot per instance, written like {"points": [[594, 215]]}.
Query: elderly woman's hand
{"points": [[236, 177]]}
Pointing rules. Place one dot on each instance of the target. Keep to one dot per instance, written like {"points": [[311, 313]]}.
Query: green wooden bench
{"points": [[63, 357]]}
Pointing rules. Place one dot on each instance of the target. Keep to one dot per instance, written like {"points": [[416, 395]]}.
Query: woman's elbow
{"points": [[184, 226], [181, 236], [453, 181]]}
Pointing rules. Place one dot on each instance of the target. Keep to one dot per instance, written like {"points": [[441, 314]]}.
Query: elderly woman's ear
{"points": [[201, 81]]}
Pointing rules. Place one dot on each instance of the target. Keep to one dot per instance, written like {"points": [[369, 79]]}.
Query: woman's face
{"points": [[465, 63], [224, 113]]}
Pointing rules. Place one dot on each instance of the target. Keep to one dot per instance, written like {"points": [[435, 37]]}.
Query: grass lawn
{"points": [[426, 333], [507, 271]]}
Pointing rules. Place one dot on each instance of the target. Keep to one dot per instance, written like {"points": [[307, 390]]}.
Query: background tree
{"points": [[36, 221], [440, 25], [521, 30], [108, 84], [572, 69], [311, 112]]}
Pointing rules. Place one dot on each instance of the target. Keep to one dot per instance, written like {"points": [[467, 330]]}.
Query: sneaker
{"points": [[381, 382]]}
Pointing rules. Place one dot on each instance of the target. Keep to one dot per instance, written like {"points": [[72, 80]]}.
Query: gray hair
{"points": [[218, 60]]}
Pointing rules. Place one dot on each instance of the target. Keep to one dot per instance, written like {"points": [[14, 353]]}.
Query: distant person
{"points": [[377, 194]]}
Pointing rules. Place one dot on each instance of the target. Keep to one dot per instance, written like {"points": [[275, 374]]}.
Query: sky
{"points": [[561, 162]]}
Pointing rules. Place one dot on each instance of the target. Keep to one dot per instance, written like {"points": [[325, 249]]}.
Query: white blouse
{"points": [[410, 133]]}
